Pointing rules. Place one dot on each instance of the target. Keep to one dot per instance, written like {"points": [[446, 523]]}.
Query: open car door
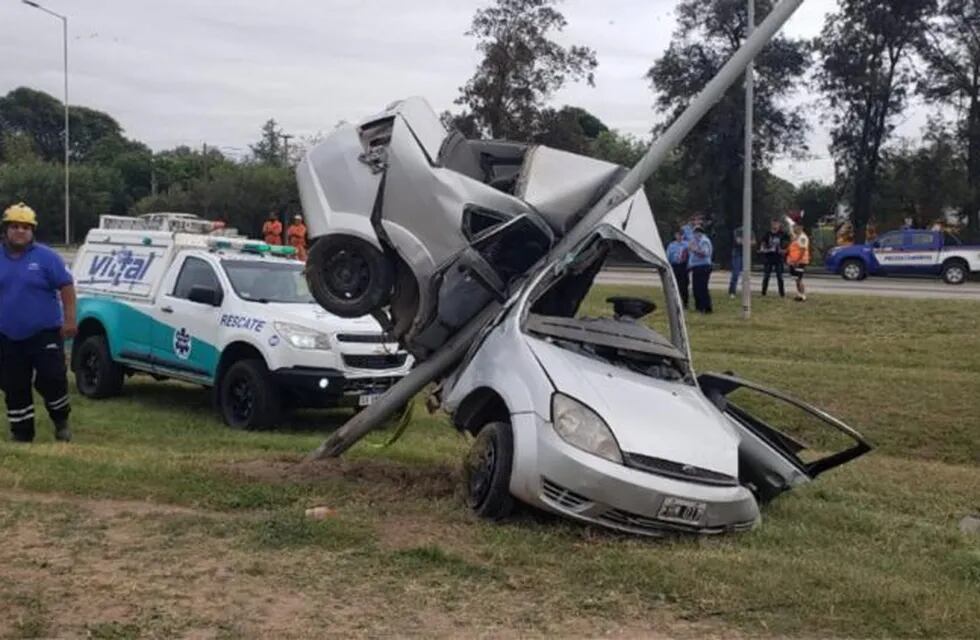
{"points": [[772, 461]]}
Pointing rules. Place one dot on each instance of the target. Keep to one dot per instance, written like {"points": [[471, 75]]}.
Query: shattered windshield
{"points": [[610, 304], [267, 281]]}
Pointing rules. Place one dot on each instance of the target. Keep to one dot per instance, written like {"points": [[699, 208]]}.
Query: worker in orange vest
{"points": [[272, 229], [296, 236]]}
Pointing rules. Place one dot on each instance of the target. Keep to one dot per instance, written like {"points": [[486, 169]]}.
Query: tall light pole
{"points": [[747, 189], [64, 31]]}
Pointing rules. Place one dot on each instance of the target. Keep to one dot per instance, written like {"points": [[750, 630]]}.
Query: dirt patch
{"points": [[105, 508], [376, 478]]}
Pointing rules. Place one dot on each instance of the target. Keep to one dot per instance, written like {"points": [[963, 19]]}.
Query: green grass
{"points": [[871, 549]]}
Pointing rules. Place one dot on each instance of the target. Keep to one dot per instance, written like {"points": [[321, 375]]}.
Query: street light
{"points": [[64, 30]]}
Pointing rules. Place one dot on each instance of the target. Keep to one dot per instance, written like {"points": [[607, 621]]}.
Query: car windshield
{"points": [[268, 281]]}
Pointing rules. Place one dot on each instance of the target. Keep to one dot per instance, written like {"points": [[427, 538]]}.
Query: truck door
{"points": [[922, 252], [188, 311], [889, 252]]}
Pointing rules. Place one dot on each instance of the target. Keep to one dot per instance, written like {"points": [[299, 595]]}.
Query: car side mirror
{"points": [[205, 295], [876, 244]]}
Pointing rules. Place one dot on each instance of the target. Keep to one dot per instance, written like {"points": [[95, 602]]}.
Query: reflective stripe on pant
{"points": [[41, 359]]}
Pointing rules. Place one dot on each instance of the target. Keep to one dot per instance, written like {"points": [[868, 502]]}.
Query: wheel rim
{"points": [[90, 370], [242, 398], [348, 275], [852, 271], [482, 462], [955, 274]]}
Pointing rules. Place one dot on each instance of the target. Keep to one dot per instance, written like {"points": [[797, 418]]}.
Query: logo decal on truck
{"points": [[182, 343], [119, 267]]}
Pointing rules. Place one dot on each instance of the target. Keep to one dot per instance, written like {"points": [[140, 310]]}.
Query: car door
{"points": [[921, 253], [770, 460], [890, 253], [185, 336]]}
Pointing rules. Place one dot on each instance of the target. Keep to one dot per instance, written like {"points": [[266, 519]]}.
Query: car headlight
{"points": [[581, 427], [302, 337]]}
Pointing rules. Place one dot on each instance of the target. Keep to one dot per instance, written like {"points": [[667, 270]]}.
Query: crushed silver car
{"points": [[484, 259]]}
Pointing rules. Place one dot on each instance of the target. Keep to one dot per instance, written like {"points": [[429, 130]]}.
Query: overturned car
{"points": [[579, 403]]}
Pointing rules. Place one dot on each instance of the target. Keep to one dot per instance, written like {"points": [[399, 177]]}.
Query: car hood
{"points": [[651, 417], [312, 315]]}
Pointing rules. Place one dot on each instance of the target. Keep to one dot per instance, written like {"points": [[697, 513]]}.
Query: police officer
{"points": [[33, 325]]}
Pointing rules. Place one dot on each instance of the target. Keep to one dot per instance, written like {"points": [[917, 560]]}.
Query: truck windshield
{"points": [[266, 281]]}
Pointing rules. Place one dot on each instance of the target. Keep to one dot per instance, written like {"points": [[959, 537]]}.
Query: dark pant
{"points": [[41, 359], [702, 297], [736, 270], [680, 274], [768, 267]]}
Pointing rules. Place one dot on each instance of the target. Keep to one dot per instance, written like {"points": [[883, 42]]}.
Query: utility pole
{"points": [[285, 142], [747, 189]]}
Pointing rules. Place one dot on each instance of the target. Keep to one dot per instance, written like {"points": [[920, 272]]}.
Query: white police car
{"points": [[228, 313]]}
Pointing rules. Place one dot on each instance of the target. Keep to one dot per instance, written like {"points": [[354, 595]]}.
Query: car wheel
{"points": [[249, 397], [487, 469], [852, 270], [97, 375], [348, 276], [955, 272]]}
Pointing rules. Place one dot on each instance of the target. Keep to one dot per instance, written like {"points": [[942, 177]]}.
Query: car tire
{"points": [[487, 470], [249, 398], [97, 375], [348, 276], [955, 272], [853, 270]]}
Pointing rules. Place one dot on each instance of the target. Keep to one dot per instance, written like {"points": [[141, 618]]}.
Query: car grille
{"points": [[360, 386], [562, 496], [364, 338], [678, 471], [654, 527], [384, 361]]}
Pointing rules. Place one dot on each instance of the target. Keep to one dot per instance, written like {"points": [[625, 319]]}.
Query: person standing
{"points": [[798, 257], [296, 235], [699, 263], [677, 256], [272, 229], [773, 248], [737, 265], [33, 326]]}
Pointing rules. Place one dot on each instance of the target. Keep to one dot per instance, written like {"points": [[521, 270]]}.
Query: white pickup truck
{"points": [[228, 313]]}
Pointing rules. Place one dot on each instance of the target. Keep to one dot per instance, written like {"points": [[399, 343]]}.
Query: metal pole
{"points": [[747, 190], [449, 355], [64, 25]]}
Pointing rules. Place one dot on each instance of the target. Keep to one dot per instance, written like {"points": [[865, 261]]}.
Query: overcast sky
{"points": [[192, 71]]}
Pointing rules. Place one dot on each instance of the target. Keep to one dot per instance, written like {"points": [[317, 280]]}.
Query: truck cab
{"points": [[908, 252], [231, 314]]}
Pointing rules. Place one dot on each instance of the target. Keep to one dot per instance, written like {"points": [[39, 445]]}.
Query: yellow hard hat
{"points": [[21, 213]]}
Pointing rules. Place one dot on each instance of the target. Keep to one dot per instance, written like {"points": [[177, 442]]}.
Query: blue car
{"points": [[907, 252]]}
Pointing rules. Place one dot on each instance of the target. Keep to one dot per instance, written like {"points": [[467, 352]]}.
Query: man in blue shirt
{"points": [[699, 264], [33, 325], [677, 256]]}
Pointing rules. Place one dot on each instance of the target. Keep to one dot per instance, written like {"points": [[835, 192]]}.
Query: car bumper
{"points": [[314, 387], [579, 485]]}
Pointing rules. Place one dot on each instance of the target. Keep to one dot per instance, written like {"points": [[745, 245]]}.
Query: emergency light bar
{"points": [[250, 246]]}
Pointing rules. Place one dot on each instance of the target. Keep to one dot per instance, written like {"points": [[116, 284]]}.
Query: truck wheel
{"points": [[249, 397], [348, 277], [97, 375], [487, 469], [853, 270], [955, 272]]}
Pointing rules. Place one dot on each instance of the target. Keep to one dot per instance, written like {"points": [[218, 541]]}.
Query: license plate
{"points": [[682, 511], [366, 399]]}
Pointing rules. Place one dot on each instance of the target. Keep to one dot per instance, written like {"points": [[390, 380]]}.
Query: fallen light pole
{"points": [[450, 354]]}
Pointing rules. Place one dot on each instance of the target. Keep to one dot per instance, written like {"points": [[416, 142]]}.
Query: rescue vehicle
{"points": [[176, 297]]}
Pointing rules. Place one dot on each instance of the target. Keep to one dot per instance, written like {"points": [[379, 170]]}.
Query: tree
{"points": [[712, 155], [570, 129], [268, 150], [817, 199], [866, 74], [951, 50], [521, 67]]}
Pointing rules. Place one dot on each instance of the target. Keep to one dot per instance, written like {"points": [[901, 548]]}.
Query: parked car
{"points": [[230, 314], [907, 252]]}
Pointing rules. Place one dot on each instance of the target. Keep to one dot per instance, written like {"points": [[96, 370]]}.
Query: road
{"points": [[821, 284]]}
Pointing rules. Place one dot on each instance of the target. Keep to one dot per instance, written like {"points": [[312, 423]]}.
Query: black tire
{"points": [[486, 472], [348, 276], [853, 270], [249, 399], [955, 272], [97, 375]]}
